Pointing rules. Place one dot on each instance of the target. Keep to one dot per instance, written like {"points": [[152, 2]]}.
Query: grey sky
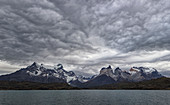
{"points": [[85, 35]]}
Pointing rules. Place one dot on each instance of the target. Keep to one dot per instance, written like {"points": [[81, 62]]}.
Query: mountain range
{"points": [[45, 74]]}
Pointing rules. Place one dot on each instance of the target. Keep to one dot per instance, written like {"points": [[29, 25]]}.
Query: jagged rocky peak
{"points": [[34, 65], [42, 65], [117, 71], [134, 69], [104, 68], [106, 71], [59, 66], [109, 67], [143, 69]]}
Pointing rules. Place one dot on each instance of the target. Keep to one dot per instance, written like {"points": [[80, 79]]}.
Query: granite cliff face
{"points": [[135, 74]]}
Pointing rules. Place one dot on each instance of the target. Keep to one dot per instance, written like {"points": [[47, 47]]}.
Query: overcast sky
{"points": [[85, 35]]}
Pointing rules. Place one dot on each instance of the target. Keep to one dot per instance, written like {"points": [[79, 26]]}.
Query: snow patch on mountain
{"points": [[107, 71], [134, 74], [56, 71]]}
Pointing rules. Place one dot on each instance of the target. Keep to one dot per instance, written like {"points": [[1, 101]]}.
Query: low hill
{"points": [[14, 85], [154, 84]]}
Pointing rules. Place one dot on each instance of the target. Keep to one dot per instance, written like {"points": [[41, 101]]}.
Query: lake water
{"points": [[85, 97]]}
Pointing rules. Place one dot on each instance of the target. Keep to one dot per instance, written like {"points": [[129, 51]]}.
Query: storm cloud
{"points": [[85, 35]]}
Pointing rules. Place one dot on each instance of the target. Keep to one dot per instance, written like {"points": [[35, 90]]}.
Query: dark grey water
{"points": [[85, 97]]}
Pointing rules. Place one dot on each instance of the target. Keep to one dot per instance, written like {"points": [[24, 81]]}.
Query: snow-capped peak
{"points": [[117, 71], [47, 71], [108, 71], [134, 70], [150, 70], [109, 67], [143, 69], [35, 64], [59, 66]]}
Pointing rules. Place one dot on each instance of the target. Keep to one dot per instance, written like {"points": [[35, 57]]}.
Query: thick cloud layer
{"points": [[85, 35]]}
